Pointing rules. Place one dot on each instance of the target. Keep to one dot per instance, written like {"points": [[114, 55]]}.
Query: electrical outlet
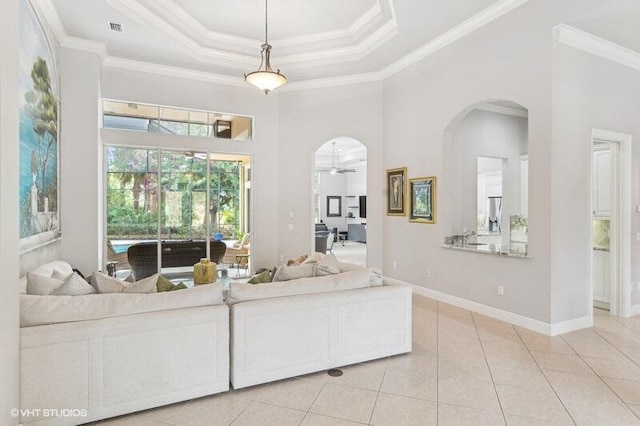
{"points": [[501, 290], [427, 275], [638, 236], [394, 266], [290, 227], [638, 208], [290, 214], [281, 258]]}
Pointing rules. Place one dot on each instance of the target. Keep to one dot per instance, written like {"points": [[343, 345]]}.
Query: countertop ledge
{"points": [[485, 250]]}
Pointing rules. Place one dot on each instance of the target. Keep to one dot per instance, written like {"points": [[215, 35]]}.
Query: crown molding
{"points": [[589, 43], [332, 82], [146, 67], [477, 21], [499, 109], [46, 9]]}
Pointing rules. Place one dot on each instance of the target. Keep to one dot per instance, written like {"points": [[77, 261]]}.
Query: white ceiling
{"points": [[313, 41], [617, 21]]}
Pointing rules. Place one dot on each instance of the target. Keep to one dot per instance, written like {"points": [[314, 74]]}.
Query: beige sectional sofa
{"points": [[112, 354]]}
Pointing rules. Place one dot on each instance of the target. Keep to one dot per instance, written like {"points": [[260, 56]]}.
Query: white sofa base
{"points": [[113, 366], [273, 339]]}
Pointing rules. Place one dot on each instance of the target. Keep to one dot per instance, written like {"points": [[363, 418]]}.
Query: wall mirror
{"points": [[489, 202], [486, 167]]}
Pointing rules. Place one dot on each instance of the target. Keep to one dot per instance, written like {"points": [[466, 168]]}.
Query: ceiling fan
{"points": [[334, 170]]}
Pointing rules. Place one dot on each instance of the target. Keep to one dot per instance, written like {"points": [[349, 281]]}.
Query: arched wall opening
{"points": [[486, 162], [339, 197]]}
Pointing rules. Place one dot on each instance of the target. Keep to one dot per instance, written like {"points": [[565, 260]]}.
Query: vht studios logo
{"points": [[48, 412]]}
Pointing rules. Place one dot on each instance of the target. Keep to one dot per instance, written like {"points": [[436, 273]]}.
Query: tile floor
{"points": [[465, 369]]}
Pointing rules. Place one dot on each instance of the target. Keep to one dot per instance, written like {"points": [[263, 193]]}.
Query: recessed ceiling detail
{"points": [[370, 29]]}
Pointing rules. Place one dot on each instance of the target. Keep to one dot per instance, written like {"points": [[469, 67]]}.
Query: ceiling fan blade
{"points": [[346, 170]]}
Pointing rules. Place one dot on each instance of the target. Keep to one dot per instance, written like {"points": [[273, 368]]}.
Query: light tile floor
{"points": [[465, 369]]}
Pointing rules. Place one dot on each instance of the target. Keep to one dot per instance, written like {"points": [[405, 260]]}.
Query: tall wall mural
{"points": [[39, 134]]}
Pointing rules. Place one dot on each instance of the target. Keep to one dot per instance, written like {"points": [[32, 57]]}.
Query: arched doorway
{"points": [[340, 198]]}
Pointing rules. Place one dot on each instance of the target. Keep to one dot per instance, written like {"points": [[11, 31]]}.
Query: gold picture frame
{"points": [[396, 190], [423, 193]]}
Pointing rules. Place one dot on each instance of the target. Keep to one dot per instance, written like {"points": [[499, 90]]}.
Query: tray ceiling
{"points": [[313, 42]]}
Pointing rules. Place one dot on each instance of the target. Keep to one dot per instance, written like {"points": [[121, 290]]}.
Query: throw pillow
{"points": [[74, 285], [164, 284], [328, 265], [41, 285], [59, 275], [106, 284], [286, 273], [314, 258], [145, 285], [273, 272], [297, 261], [261, 278], [179, 286]]}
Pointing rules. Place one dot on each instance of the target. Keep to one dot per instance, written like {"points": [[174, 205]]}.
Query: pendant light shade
{"points": [[265, 78]]}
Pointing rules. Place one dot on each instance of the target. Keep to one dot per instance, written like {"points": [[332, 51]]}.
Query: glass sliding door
{"points": [[184, 196], [161, 200], [131, 199]]}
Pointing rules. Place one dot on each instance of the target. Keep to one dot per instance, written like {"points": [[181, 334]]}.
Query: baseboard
{"points": [[571, 325], [499, 314]]}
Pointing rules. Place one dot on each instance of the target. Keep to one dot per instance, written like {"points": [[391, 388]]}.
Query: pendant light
{"points": [[266, 79]]}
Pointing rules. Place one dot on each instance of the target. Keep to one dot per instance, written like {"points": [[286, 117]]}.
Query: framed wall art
{"points": [[396, 188], [423, 200], [334, 206]]}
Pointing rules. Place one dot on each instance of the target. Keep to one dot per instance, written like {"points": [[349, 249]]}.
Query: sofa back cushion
{"points": [[40, 310], [357, 278]]}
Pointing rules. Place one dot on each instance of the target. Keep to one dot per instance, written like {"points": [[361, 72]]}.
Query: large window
{"points": [[162, 195], [176, 121]]}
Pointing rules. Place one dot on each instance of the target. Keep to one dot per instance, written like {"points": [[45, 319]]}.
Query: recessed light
{"points": [[114, 26]]}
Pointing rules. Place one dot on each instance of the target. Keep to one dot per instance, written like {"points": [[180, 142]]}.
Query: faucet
{"points": [[467, 235]]}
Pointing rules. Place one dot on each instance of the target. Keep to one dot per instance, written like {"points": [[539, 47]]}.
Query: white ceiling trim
{"points": [[46, 9], [131, 65], [595, 45], [477, 21], [343, 80]]}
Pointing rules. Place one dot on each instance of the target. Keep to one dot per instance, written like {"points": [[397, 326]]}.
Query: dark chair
{"points": [[143, 257]]}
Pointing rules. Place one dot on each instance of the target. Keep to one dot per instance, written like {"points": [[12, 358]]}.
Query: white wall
{"points": [[588, 92], [487, 134], [81, 160], [420, 102], [9, 237], [357, 182], [264, 148], [308, 119]]}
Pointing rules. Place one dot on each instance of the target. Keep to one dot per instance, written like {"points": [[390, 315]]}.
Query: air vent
{"points": [[114, 26]]}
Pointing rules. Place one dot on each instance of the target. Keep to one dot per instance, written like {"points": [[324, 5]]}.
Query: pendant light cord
{"points": [[265, 23]]}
